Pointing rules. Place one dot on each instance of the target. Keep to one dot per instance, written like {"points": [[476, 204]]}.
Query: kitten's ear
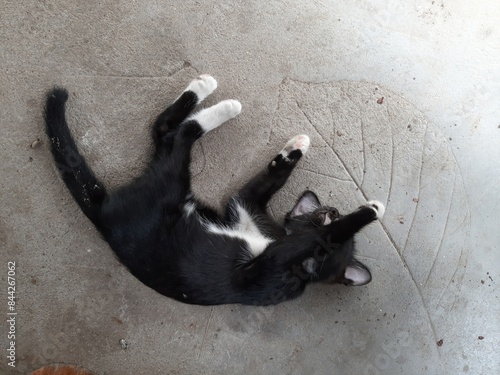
{"points": [[306, 204], [357, 274]]}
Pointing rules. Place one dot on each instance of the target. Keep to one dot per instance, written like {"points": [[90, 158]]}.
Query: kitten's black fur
{"points": [[168, 247]]}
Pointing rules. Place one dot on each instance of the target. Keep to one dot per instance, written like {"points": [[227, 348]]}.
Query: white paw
{"points": [[378, 207], [210, 118], [229, 108], [202, 86], [299, 142]]}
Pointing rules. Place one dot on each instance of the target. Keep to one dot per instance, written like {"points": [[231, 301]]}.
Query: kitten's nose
{"points": [[334, 214]]}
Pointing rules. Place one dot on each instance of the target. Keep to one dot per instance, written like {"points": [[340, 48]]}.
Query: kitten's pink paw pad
{"points": [[300, 142]]}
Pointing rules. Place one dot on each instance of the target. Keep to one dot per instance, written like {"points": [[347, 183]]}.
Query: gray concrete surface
{"points": [[430, 150]]}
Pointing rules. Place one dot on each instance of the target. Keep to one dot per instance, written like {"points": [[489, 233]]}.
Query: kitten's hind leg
{"points": [[168, 121], [260, 189], [214, 116], [171, 167]]}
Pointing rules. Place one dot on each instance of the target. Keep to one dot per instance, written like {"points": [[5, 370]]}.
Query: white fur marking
{"points": [[357, 275], [189, 208], [210, 118], [202, 86], [245, 230], [378, 207], [309, 265]]}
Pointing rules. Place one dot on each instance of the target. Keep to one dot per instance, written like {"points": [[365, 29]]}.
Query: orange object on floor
{"points": [[61, 370]]}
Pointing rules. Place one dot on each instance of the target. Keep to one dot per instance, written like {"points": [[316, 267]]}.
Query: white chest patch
{"points": [[245, 230]]}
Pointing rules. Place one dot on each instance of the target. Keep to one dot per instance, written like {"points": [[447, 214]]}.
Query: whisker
{"points": [[322, 263]]}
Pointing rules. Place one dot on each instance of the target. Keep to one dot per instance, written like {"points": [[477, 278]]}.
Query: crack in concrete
{"points": [[307, 118], [185, 65], [206, 330], [442, 236], [403, 249], [391, 177], [363, 171], [204, 160], [325, 175]]}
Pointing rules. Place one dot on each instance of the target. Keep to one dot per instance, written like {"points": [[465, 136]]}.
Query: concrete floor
{"points": [[430, 151]]}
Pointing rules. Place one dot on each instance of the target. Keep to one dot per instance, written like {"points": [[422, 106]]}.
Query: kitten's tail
{"points": [[88, 192]]}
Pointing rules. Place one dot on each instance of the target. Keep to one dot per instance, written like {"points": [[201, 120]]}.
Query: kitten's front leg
{"points": [[288, 157], [263, 186], [346, 227]]}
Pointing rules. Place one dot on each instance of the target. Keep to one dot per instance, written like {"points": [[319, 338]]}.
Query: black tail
{"points": [[88, 192]]}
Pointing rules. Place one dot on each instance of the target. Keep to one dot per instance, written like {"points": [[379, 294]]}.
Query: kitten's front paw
{"points": [[300, 142], [294, 149], [378, 207], [202, 86]]}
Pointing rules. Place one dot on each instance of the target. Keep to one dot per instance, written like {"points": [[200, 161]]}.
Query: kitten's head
{"points": [[309, 213], [338, 264]]}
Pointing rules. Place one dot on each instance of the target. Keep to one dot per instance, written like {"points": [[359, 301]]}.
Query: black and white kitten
{"points": [[184, 249]]}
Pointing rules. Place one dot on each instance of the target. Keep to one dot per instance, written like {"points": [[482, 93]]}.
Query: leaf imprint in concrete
{"points": [[362, 149]]}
